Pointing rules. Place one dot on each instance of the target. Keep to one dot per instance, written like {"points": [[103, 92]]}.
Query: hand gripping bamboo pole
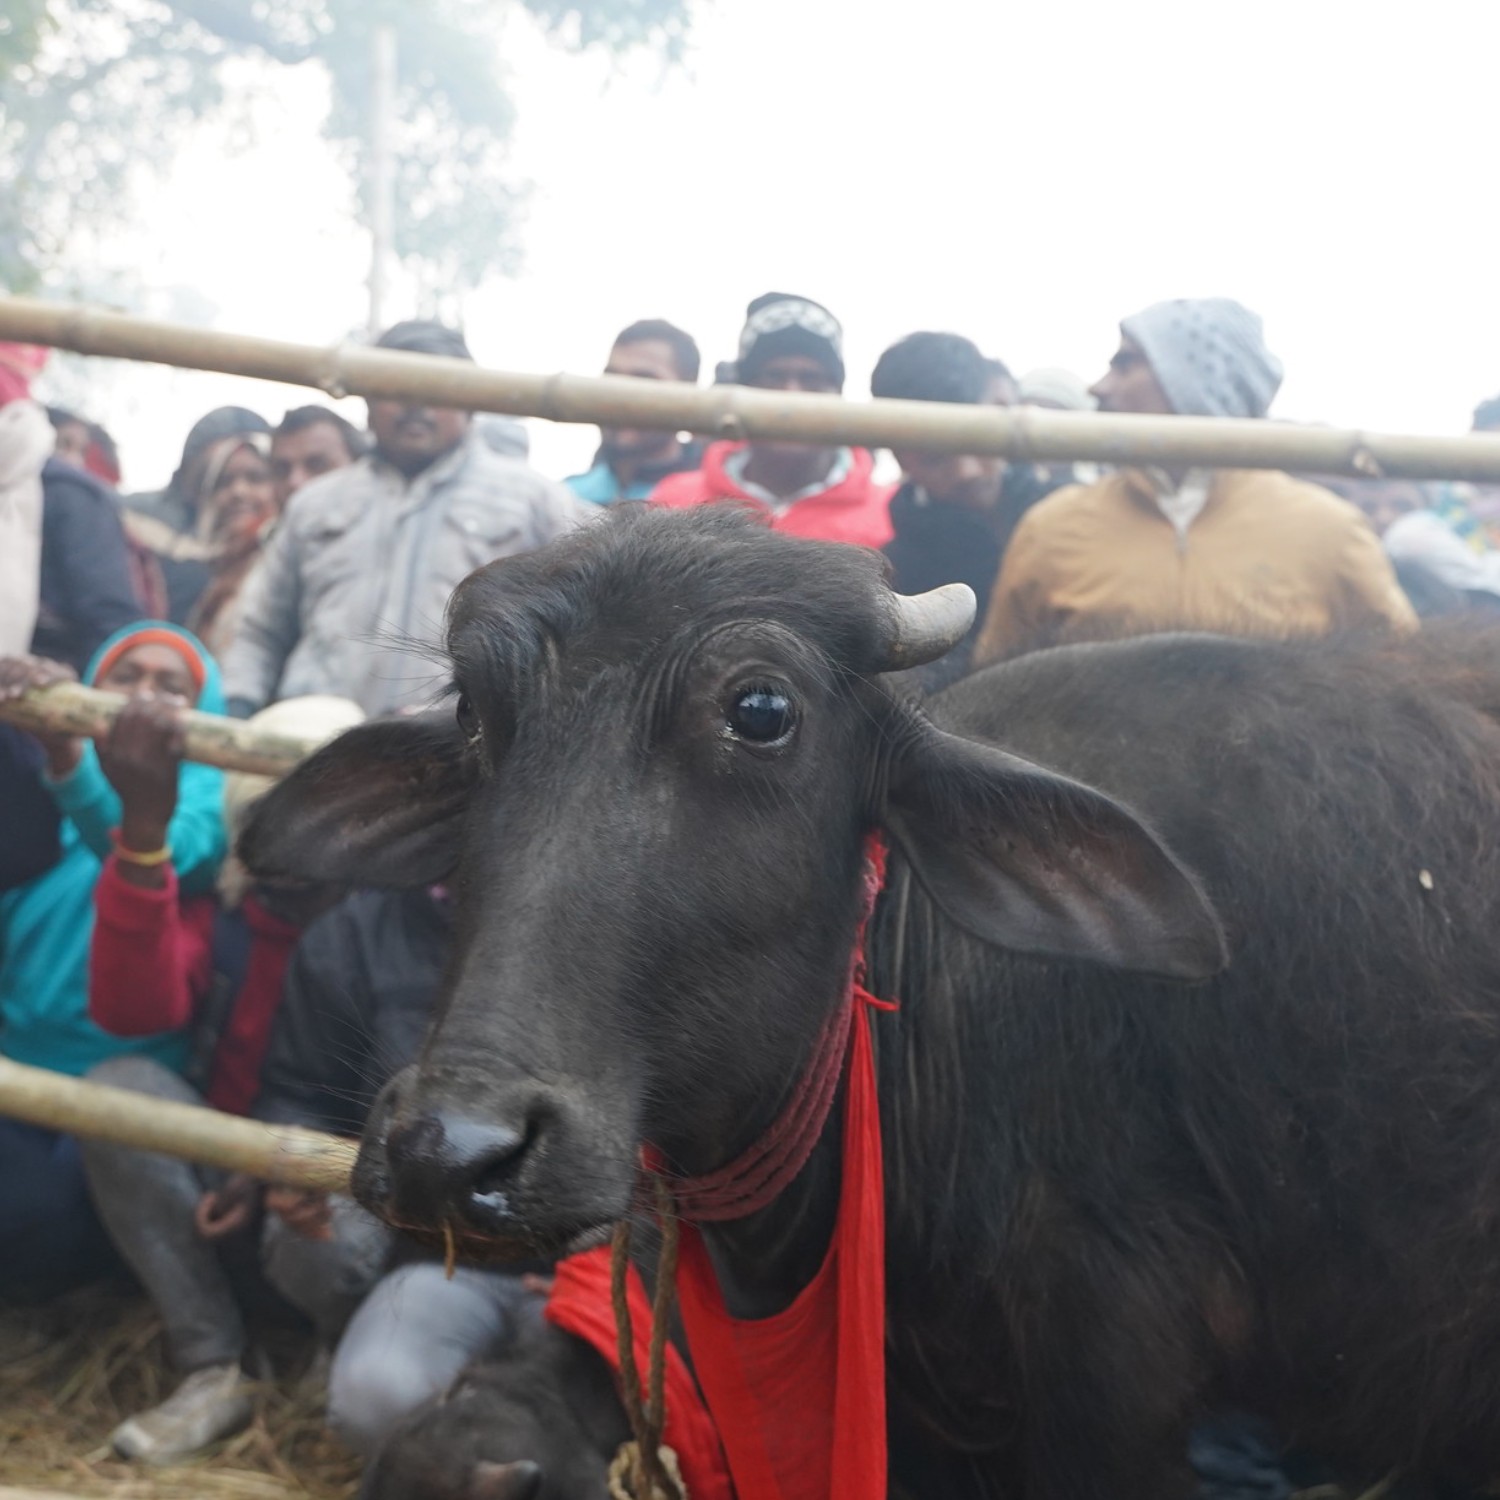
{"points": [[277, 1153], [1021, 433], [70, 708], [285, 1154]]}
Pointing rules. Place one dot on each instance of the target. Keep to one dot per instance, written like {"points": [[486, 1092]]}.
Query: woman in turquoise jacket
{"points": [[49, 1237]]}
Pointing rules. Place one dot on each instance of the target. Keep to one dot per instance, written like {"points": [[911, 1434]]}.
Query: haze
{"points": [[1025, 175]]}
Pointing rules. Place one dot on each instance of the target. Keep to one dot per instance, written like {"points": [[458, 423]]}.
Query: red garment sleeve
{"points": [[151, 957]]}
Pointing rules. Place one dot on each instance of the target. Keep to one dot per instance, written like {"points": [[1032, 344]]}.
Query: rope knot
{"points": [[645, 1468], [627, 1479]]}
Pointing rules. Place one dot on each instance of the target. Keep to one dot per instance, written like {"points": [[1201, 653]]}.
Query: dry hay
{"points": [[71, 1371]]}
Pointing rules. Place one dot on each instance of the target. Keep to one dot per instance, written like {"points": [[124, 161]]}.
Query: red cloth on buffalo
{"points": [[580, 1304], [799, 1398]]}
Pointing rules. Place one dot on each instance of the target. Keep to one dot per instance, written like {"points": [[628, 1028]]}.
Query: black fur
{"points": [[1114, 1202]]}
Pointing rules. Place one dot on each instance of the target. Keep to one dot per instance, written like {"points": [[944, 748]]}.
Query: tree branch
{"points": [[235, 22]]}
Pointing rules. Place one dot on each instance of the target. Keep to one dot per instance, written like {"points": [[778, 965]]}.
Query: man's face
{"points": [[73, 443], [791, 372], [650, 359], [1130, 384], [154, 669], [795, 372], [299, 456], [412, 436], [961, 479], [1002, 390]]}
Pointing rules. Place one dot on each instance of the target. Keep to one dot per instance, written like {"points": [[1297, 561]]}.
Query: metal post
{"points": [[382, 169]]}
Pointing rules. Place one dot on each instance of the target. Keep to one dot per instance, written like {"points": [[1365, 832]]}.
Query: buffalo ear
{"points": [[517, 1481], [1031, 861], [382, 805]]}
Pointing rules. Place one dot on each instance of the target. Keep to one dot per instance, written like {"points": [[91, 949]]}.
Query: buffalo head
{"points": [[669, 734]]}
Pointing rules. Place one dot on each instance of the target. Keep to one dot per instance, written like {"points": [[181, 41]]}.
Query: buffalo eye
{"points": [[761, 716], [468, 720]]}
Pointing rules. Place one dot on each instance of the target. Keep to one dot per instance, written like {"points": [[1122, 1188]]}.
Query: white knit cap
{"points": [[1209, 356], [318, 716]]}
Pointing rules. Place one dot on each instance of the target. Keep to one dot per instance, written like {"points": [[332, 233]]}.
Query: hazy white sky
{"points": [[1024, 174]]}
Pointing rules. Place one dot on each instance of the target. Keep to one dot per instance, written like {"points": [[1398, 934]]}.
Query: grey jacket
{"points": [[355, 581]]}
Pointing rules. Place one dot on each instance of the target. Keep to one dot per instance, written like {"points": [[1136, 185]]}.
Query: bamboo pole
{"points": [[285, 1154], [70, 708], [1022, 433]]}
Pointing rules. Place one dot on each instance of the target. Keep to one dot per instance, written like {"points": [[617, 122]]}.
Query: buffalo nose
{"points": [[444, 1167]]}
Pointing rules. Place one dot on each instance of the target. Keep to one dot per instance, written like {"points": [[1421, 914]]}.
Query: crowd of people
{"points": [[298, 574]]}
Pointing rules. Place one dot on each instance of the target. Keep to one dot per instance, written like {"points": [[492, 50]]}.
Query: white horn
{"points": [[927, 626]]}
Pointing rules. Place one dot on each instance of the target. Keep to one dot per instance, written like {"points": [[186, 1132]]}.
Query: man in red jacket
{"points": [[791, 344]]}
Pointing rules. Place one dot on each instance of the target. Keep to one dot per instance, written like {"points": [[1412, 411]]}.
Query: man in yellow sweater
{"points": [[1245, 552]]}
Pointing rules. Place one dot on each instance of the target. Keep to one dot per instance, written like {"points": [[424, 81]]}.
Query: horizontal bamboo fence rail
{"points": [[70, 708], [285, 1154], [735, 411]]}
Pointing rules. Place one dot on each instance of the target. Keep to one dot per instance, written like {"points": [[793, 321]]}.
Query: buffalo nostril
{"points": [[497, 1169], [447, 1169], [491, 1155]]}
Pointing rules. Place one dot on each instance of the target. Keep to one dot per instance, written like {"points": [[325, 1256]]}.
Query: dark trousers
{"points": [[51, 1239]]}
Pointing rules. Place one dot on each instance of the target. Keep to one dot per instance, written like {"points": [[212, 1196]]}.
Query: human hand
{"points": [[230, 1209], [141, 755], [306, 1213], [18, 674]]}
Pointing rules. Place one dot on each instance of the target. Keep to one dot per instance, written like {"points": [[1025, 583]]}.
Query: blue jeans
{"points": [[409, 1341], [50, 1237]]}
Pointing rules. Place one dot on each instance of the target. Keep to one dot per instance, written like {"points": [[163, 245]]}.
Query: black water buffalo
{"points": [[1114, 1199]]}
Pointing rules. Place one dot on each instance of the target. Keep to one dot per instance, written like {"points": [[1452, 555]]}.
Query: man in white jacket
{"points": [[353, 585]]}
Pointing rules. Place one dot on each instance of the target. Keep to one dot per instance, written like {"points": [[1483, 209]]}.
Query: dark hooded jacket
{"points": [[359, 995], [86, 588], [934, 544]]}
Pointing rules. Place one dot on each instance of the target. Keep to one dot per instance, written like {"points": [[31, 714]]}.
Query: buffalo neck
{"points": [[923, 1052], [765, 1259]]}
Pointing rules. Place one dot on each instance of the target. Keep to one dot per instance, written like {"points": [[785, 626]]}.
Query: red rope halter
{"points": [[770, 1164]]}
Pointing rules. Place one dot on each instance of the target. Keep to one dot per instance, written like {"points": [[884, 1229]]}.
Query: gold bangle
{"points": [[148, 858]]}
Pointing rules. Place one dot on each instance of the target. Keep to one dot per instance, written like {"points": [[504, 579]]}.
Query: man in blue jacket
{"points": [[631, 460]]}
